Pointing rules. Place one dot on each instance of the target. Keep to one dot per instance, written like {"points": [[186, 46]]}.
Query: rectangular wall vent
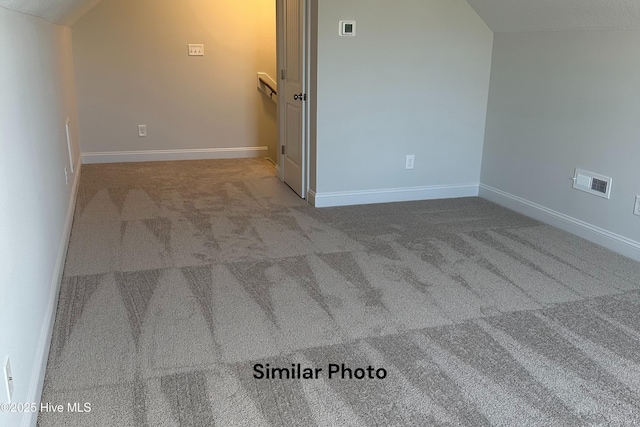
{"points": [[599, 185], [593, 183]]}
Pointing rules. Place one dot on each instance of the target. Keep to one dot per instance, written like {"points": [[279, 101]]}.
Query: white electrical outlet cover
{"points": [[410, 161]]}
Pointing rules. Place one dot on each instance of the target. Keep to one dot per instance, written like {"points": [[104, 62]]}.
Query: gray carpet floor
{"points": [[182, 276]]}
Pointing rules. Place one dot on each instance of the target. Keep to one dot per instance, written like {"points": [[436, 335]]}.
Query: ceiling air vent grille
{"points": [[593, 183]]}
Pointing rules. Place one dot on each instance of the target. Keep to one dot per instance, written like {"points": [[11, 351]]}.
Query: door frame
{"points": [[305, 88]]}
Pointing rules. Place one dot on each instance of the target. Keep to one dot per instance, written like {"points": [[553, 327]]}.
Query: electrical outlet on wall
{"points": [[636, 209], [142, 130], [8, 379], [410, 161]]}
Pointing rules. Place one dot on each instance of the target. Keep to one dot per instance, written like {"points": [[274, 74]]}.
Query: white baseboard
{"points": [[348, 198], [615, 242], [44, 341], [165, 155]]}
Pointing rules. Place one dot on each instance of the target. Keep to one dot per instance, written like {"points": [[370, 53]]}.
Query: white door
{"points": [[293, 100]]}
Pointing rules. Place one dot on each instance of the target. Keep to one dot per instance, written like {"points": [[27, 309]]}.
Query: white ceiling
{"points": [[63, 12], [500, 15], [507, 16]]}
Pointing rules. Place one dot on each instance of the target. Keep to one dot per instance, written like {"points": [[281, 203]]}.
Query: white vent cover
{"points": [[593, 183]]}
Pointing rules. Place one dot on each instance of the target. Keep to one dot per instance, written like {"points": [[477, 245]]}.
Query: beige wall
{"points": [[36, 97], [132, 68], [561, 101], [415, 80]]}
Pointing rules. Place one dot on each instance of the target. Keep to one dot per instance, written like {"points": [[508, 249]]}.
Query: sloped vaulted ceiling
{"points": [[506, 16], [500, 15], [63, 12]]}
